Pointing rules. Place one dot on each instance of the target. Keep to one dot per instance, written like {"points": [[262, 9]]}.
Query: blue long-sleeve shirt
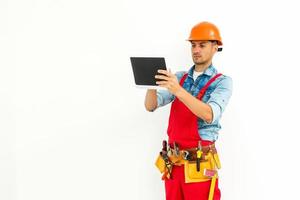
{"points": [[217, 96]]}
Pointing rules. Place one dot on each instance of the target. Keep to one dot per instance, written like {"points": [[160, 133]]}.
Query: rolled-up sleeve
{"points": [[164, 97], [219, 98]]}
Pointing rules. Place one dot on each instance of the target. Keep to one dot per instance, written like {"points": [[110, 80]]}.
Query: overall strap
{"points": [[183, 79], [203, 90]]}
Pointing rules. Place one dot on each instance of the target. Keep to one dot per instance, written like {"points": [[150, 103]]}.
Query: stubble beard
{"points": [[200, 62]]}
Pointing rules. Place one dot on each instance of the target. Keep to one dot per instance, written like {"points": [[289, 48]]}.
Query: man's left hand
{"points": [[168, 80]]}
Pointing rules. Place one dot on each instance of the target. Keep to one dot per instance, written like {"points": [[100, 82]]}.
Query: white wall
{"points": [[73, 125]]}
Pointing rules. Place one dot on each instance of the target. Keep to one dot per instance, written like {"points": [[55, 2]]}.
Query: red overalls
{"points": [[183, 130]]}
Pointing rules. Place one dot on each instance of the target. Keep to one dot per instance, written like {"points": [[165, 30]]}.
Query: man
{"points": [[198, 98]]}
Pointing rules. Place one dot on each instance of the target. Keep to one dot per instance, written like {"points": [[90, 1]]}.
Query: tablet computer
{"points": [[145, 68]]}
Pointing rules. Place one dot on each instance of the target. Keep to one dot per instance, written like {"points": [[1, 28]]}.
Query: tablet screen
{"points": [[145, 68]]}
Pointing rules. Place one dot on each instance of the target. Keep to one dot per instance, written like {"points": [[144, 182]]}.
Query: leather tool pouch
{"points": [[190, 170], [190, 167]]}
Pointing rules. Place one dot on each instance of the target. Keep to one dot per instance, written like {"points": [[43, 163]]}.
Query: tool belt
{"points": [[200, 164]]}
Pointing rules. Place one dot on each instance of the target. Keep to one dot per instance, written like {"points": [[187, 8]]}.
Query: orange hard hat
{"points": [[205, 31]]}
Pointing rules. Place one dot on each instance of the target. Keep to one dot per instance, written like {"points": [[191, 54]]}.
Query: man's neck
{"points": [[202, 67]]}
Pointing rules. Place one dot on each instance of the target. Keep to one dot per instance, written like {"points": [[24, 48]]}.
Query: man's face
{"points": [[203, 51]]}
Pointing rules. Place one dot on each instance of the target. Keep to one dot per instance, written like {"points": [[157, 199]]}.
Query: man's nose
{"points": [[196, 50]]}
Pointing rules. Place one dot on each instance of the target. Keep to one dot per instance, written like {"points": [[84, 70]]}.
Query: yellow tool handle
{"points": [[199, 154], [212, 161], [217, 160], [212, 187]]}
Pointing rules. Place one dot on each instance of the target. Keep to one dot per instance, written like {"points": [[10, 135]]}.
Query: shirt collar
{"points": [[211, 70]]}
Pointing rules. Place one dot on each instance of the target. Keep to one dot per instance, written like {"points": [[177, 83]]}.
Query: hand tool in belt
{"points": [[199, 154], [176, 148], [168, 163], [216, 157]]}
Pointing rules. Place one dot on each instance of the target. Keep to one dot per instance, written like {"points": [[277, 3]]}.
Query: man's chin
{"points": [[198, 63]]}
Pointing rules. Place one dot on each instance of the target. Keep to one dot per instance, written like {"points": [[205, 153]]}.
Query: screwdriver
{"points": [[199, 154]]}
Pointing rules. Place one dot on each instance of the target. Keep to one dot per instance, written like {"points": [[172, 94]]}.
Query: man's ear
{"points": [[215, 47]]}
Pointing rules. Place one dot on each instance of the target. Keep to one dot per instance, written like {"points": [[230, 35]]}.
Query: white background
{"points": [[73, 126]]}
